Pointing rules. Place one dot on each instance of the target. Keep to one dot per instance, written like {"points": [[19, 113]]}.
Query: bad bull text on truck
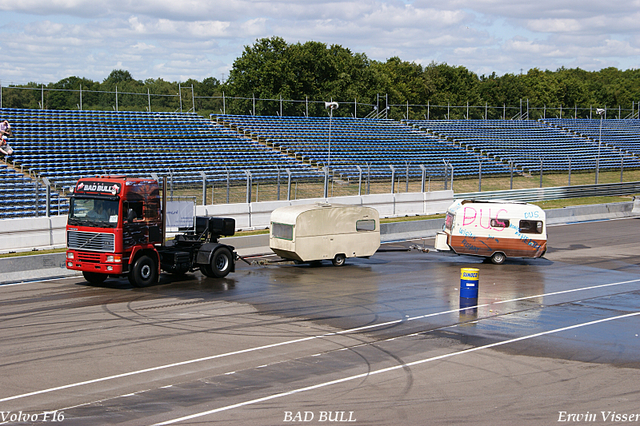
{"points": [[117, 227]]}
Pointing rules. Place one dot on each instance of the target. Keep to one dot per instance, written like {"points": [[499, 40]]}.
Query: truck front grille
{"points": [[91, 241], [89, 257]]}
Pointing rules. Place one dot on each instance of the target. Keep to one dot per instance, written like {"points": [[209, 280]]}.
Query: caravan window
{"points": [[499, 223], [531, 226], [366, 225], [282, 231], [448, 222]]}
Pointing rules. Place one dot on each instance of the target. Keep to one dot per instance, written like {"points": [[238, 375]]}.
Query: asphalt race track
{"points": [[379, 341]]}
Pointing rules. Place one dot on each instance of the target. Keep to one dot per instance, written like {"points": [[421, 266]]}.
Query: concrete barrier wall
{"points": [[43, 232], [257, 215], [34, 267], [402, 231], [34, 232], [591, 212]]}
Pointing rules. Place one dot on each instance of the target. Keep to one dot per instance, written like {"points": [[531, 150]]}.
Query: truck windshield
{"points": [[93, 212]]}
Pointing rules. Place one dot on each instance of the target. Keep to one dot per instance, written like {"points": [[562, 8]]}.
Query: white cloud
{"points": [[47, 40]]}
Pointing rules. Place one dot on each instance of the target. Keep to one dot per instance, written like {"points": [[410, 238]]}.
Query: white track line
{"points": [[388, 369], [35, 281], [290, 342]]}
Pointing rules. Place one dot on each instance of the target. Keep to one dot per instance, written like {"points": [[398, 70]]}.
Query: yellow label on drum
{"points": [[469, 274]]}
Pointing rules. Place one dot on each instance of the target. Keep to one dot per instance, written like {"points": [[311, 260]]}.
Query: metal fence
{"points": [[48, 202], [185, 99], [532, 195]]}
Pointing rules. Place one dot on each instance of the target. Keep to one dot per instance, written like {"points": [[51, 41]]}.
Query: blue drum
{"points": [[469, 278]]}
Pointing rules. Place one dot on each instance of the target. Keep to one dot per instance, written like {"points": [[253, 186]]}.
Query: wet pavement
{"points": [[384, 338]]}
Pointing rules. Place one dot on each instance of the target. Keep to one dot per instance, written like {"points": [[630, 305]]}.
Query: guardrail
{"points": [[559, 192]]}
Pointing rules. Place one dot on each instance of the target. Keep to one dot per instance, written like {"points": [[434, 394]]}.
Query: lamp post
{"points": [[601, 112], [331, 105]]}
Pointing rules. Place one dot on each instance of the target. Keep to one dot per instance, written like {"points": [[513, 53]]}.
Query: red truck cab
{"points": [[116, 227], [115, 221]]}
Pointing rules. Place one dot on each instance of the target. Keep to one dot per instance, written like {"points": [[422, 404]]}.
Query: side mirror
{"points": [[131, 215]]}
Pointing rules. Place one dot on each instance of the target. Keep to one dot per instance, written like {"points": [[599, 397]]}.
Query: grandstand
{"points": [[65, 145], [374, 144], [18, 195], [530, 145], [62, 146], [620, 134]]}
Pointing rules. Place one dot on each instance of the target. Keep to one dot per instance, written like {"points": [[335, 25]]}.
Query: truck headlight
{"points": [[114, 258], [69, 255]]}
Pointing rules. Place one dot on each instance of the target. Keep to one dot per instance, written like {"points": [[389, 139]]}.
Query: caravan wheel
{"points": [[498, 258], [339, 259]]}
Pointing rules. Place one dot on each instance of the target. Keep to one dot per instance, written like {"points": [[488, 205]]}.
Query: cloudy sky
{"points": [[47, 40]]}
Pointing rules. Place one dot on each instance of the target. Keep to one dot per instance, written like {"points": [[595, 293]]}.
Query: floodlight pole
{"points": [[249, 184], [326, 182], [331, 105], [278, 194], [228, 183], [424, 172], [407, 178], [393, 179], [204, 188], [601, 112], [329, 152], [445, 173]]}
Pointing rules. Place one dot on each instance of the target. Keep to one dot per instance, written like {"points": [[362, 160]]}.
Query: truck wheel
{"points": [[94, 277], [339, 259], [221, 263], [498, 258], [144, 272]]}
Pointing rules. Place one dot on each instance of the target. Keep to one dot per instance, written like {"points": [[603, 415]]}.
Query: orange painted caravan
{"points": [[494, 229]]}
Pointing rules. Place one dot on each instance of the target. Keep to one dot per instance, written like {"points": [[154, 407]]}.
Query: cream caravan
{"points": [[494, 229], [315, 232]]}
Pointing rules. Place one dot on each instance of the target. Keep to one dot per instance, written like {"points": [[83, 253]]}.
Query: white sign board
{"points": [[180, 214]]}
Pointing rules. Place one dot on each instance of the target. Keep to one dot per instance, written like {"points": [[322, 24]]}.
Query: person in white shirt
{"points": [[5, 132]]}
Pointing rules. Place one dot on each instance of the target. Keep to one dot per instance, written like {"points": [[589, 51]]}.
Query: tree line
{"points": [[275, 77]]}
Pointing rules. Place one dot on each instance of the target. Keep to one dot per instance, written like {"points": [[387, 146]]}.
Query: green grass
{"points": [[31, 253], [557, 204]]}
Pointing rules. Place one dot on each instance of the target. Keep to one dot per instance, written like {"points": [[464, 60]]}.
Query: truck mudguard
{"points": [[205, 253]]}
